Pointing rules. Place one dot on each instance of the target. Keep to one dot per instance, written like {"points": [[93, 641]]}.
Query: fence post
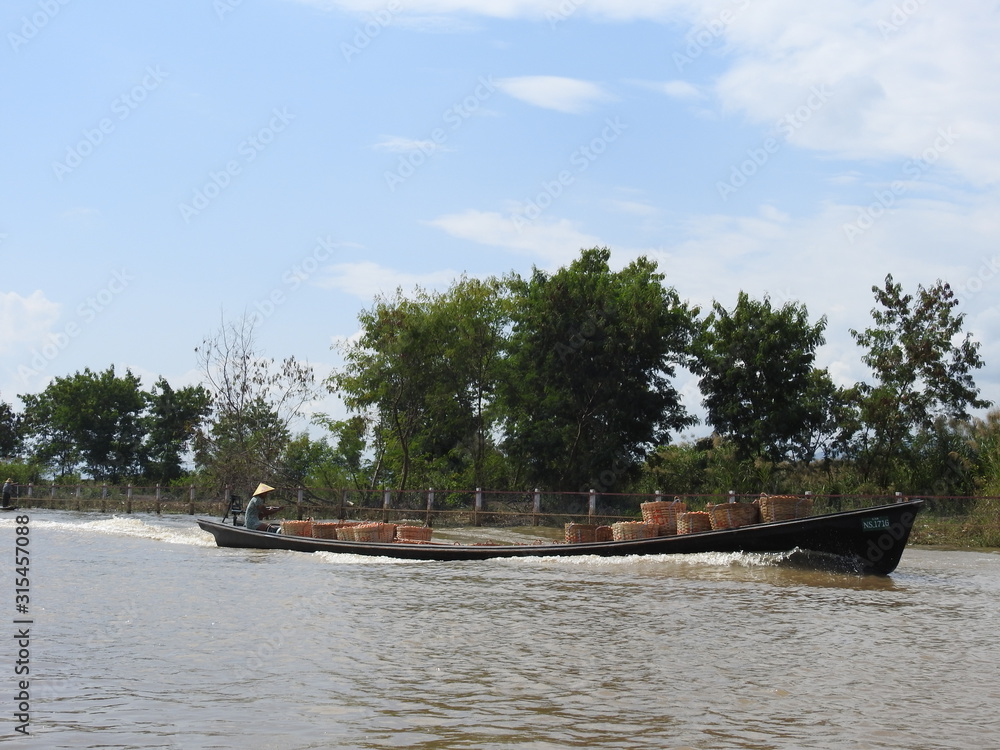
{"points": [[592, 507], [386, 504], [430, 506], [732, 496], [298, 503], [157, 499], [128, 499], [341, 512], [191, 502], [104, 496], [536, 507], [79, 506], [30, 485]]}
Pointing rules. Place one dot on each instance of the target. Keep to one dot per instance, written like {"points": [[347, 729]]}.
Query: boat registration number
{"points": [[876, 523]]}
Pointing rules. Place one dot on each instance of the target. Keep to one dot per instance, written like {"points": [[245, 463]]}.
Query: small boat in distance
{"points": [[870, 540]]}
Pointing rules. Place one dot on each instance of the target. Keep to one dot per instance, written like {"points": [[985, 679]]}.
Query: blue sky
{"points": [[170, 165]]}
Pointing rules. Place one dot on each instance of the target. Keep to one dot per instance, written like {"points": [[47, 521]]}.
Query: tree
{"points": [[255, 400], [758, 379], [588, 385], [93, 420], [922, 367], [11, 439], [172, 422]]}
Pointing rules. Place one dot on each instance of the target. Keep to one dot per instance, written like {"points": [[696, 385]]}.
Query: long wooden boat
{"points": [[871, 540]]}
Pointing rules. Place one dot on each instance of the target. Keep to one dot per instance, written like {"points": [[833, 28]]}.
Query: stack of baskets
{"points": [[329, 529], [783, 507], [367, 532], [733, 515], [631, 530], [694, 521], [413, 533], [664, 514], [297, 528], [577, 533]]}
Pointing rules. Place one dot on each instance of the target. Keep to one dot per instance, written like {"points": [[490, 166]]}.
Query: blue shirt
{"points": [[251, 516]]}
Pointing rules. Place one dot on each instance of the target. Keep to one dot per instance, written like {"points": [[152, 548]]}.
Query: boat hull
{"points": [[871, 540]]}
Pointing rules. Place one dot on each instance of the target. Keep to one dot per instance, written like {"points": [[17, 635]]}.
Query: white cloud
{"points": [[556, 241], [551, 10], [25, 321], [367, 280], [555, 92], [895, 80]]}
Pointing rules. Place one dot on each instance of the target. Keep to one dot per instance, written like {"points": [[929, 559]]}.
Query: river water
{"points": [[143, 634]]}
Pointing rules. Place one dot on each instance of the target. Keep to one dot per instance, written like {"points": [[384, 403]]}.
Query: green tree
{"points": [[923, 369], [757, 375], [172, 422], [11, 439], [588, 386], [384, 380], [255, 402], [89, 420]]}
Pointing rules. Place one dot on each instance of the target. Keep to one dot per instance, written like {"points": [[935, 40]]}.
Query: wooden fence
{"points": [[431, 507]]}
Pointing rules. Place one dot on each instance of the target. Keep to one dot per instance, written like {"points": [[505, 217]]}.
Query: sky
{"points": [[171, 166]]}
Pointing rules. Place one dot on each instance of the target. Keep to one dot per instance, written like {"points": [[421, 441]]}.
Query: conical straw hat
{"points": [[262, 489]]}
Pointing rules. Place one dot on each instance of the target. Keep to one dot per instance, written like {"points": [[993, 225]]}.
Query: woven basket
{"points": [[663, 513], [784, 507], [297, 528], [631, 530], [325, 530], [733, 515], [694, 521], [413, 533], [577, 533], [603, 534]]}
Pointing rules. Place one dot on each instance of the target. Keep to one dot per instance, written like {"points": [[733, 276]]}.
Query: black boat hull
{"points": [[871, 540]]}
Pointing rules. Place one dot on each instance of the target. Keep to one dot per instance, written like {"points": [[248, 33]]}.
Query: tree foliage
{"points": [[923, 370], [758, 378], [254, 400], [591, 355]]}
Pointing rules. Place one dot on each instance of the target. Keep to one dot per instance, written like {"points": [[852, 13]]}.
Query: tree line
{"points": [[564, 381]]}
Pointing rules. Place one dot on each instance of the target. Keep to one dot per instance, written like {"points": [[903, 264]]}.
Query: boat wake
{"points": [[128, 526]]}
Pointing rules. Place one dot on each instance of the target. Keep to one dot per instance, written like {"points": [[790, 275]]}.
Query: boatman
{"points": [[256, 510], [7, 489]]}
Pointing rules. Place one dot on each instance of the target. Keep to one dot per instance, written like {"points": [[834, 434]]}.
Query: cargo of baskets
{"points": [[413, 533], [578, 533], [631, 530], [325, 530], [297, 528], [604, 534], [663, 513], [694, 521], [733, 515], [783, 507]]}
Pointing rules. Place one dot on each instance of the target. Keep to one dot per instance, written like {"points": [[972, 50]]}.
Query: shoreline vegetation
{"points": [[583, 379]]}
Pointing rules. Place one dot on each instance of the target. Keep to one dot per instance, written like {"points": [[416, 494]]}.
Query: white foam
{"points": [[128, 526]]}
